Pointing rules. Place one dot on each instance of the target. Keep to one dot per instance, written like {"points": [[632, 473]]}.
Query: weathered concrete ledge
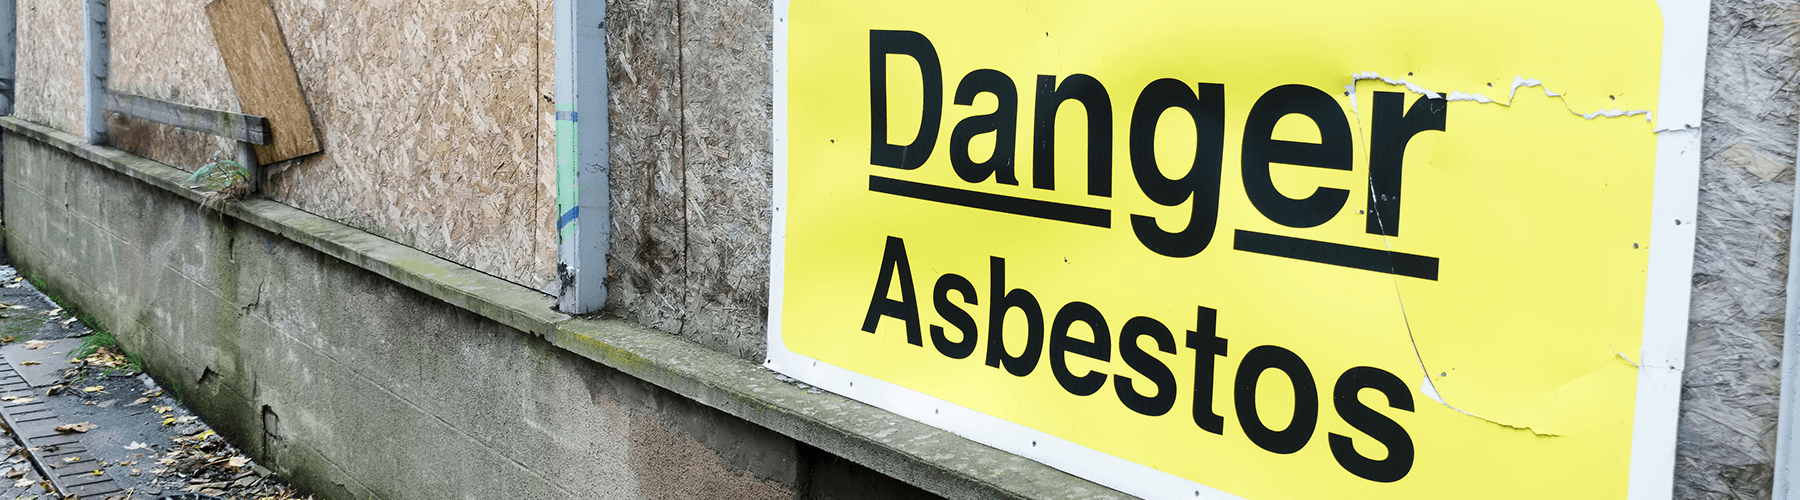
{"points": [[934, 460]]}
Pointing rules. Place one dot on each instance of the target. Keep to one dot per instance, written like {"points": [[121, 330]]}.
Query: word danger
{"points": [[1152, 385], [1393, 125]]}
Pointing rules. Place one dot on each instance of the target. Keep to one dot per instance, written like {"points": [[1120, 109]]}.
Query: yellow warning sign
{"points": [[1251, 249]]}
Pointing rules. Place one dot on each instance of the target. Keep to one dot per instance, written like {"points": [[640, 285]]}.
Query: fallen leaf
{"points": [[21, 400], [127, 463], [237, 462], [29, 363], [17, 307], [136, 446], [163, 409], [36, 344], [23, 483], [93, 388], [65, 323], [81, 427], [97, 472], [15, 473], [135, 472], [141, 401], [168, 421], [72, 459], [52, 390]]}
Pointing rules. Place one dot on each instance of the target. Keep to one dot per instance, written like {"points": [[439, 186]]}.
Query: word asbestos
{"points": [[1151, 387], [1393, 125]]}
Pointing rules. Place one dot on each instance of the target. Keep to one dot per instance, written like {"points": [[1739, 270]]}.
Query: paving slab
{"points": [[40, 363]]}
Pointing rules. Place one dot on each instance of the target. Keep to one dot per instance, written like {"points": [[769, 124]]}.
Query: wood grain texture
{"points": [[727, 104], [256, 56], [647, 264], [164, 49], [544, 210], [428, 116], [49, 63]]}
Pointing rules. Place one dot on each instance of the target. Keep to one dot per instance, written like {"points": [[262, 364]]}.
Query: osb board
{"points": [[647, 264], [428, 116], [49, 63], [1730, 390], [256, 56], [165, 49], [545, 207], [727, 102]]}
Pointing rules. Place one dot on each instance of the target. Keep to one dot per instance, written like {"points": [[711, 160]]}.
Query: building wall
{"points": [[435, 121]]}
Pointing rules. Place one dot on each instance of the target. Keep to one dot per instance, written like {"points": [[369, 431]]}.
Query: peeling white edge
{"points": [[1512, 95], [1666, 301], [1081, 461], [1671, 266]]}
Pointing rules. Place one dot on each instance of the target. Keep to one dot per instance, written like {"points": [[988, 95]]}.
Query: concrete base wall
{"points": [[356, 386]]}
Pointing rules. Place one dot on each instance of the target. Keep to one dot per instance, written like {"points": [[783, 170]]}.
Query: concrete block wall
{"points": [[356, 386]]}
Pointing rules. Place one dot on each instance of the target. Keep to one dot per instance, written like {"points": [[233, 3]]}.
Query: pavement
{"points": [[82, 422]]}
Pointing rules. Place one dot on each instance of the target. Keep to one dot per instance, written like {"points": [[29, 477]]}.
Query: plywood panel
{"points": [[428, 113], [165, 49], [545, 210], [49, 63], [256, 56], [649, 245], [727, 102], [431, 115]]}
